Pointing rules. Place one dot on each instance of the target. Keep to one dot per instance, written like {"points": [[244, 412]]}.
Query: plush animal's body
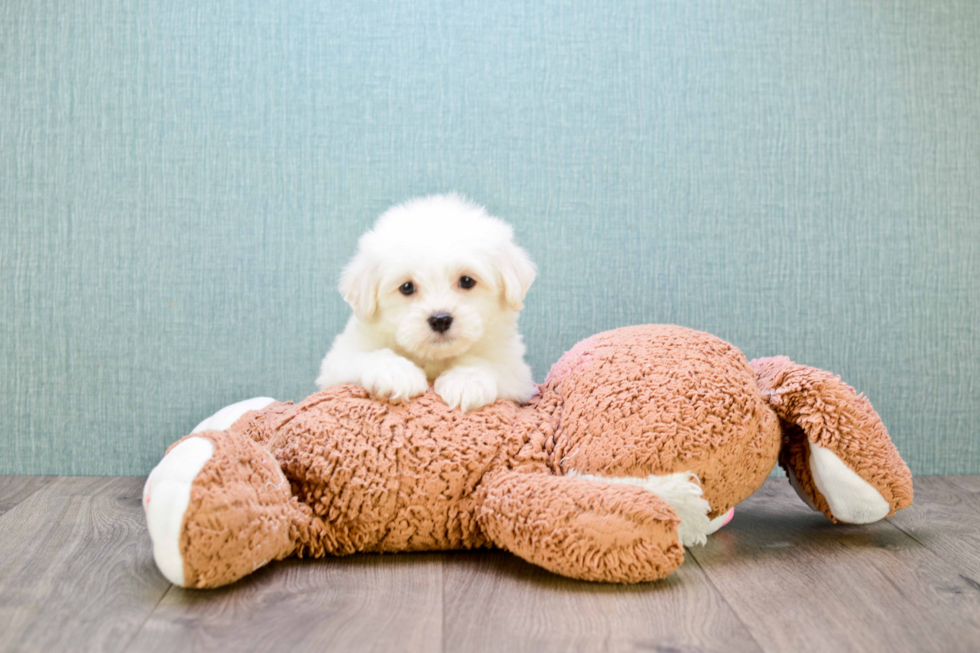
{"points": [[594, 479]]}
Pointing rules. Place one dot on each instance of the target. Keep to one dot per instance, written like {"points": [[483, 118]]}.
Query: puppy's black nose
{"points": [[440, 322]]}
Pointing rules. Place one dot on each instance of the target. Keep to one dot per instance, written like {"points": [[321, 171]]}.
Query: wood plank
{"points": [[359, 603], [969, 485], [799, 582], [495, 601], [76, 570], [945, 518], [14, 489]]}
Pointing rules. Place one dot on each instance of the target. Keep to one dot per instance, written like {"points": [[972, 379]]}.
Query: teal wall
{"points": [[181, 181]]}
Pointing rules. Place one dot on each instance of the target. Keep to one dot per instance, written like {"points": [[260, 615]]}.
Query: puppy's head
{"points": [[435, 273]]}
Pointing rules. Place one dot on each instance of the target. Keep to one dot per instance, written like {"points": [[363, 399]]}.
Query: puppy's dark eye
{"points": [[467, 282], [407, 288]]}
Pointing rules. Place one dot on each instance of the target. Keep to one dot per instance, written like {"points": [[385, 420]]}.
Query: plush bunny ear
{"points": [[517, 273], [359, 286]]}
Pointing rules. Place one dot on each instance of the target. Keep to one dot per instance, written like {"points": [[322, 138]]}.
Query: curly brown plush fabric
{"points": [[662, 399], [239, 514], [577, 528], [816, 406], [341, 472]]}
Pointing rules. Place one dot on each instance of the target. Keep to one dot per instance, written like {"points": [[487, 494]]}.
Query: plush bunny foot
{"points": [[682, 492], [167, 491], [218, 507], [166, 494], [580, 527]]}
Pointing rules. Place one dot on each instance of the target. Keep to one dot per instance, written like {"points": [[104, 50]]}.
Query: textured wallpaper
{"points": [[181, 182]]}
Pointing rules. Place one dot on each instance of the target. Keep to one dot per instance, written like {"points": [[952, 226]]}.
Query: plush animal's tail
{"points": [[836, 451]]}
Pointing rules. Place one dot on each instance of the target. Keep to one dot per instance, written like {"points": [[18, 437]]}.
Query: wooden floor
{"points": [[76, 573]]}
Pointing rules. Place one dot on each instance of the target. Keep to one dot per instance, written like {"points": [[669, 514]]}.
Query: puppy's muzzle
{"points": [[440, 322]]}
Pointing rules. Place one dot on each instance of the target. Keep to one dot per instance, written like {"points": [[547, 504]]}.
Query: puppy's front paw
{"points": [[393, 377], [467, 387]]}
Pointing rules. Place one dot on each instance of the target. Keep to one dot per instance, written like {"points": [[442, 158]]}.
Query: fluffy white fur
{"points": [[389, 347]]}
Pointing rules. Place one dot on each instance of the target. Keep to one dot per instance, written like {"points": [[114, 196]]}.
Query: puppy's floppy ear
{"points": [[359, 286], [517, 273]]}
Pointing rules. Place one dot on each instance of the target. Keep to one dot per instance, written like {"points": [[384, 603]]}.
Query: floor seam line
{"points": [[724, 600], [156, 605]]}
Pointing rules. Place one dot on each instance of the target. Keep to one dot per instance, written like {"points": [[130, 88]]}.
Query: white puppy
{"points": [[436, 287]]}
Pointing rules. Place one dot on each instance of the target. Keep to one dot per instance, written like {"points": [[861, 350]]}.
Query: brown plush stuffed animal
{"points": [[641, 442]]}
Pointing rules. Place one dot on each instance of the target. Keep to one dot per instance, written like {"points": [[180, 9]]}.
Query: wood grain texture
{"points": [[969, 485], [14, 489], [945, 518], [76, 569], [76, 573], [361, 603], [799, 582], [496, 602]]}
